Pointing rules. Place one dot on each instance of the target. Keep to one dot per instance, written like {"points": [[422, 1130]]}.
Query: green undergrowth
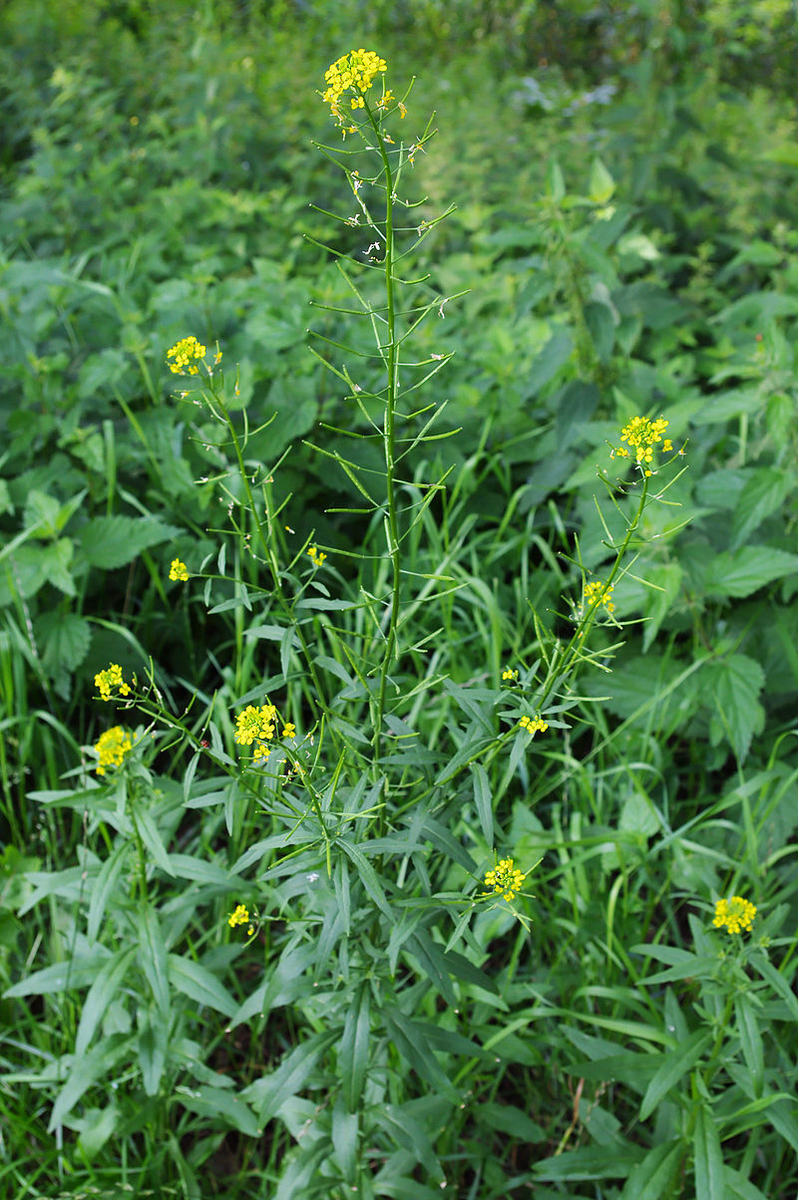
{"points": [[389, 607]]}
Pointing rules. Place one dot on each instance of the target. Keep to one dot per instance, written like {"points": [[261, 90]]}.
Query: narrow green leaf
{"points": [[104, 886], [416, 1050], [200, 984], [708, 1157], [151, 1048], [354, 1049], [270, 1093], [85, 1070], [99, 996], [677, 1063], [151, 838], [653, 1177], [751, 1041], [405, 1129], [777, 981], [152, 958], [431, 959], [483, 801], [345, 1136], [368, 876], [220, 1106]]}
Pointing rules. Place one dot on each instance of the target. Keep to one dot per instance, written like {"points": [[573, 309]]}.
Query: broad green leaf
{"points": [[555, 182], [551, 359], [219, 1105], [151, 1046], [602, 184], [152, 957], [413, 1046], [408, 1131], [200, 984], [78, 973], [508, 1119], [708, 1157], [676, 1064], [653, 1177], [777, 981], [102, 991], [368, 877], [86, 1070], [590, 1162], [751, 1041], [110, 542], [151, 838], [737, 682], [764, 493], [64, 637], [269, 1094], [740, 572], [345, 1139]]}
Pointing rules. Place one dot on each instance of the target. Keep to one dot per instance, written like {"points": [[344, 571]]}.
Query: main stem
{"points": [[389, 353]]}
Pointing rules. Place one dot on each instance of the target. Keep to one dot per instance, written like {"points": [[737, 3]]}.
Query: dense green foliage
{"points": [[624, 242]]}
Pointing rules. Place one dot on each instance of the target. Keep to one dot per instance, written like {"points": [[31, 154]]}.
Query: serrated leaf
{"points": [[110, 542], [738, 573], [737, 682], [64, 637], [765, 491]]}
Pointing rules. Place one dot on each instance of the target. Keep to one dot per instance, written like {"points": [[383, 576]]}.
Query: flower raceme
{"points": [[112, 748], [111, 678], [353, 72], [178, 570], [735, 914], [643, 437], [505, 878], [533, 725], [185, 353], [257, 723]]}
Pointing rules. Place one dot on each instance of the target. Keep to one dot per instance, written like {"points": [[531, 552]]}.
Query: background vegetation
{"points": [[626, 181]]}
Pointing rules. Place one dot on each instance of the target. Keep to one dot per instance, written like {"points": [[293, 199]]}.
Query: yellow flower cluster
{"points": [[240, 916], [184, 353], [257, 724], [510, 675], [110, 678], [178, 570], [112, 747], [643, 436], [505, 878], [353, 72], [533, 724], [597, 593], [735, 914], [316, 555]]}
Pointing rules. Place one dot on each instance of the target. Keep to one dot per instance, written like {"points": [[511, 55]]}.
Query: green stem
{"points": [[389, 353]]}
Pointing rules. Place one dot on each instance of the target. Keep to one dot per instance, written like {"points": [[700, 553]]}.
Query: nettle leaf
{"points": [[765, 491], [736, 684], [65, 639], [740, 572], [110, 542]]}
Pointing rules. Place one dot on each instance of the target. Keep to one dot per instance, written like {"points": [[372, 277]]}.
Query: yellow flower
{"points": [[353, 72], [509, 674], [505, 878], [533, 725], [597, 593], [735, 914], [178, 570], [239, 916], [316, 555], [255, 723], [643, 436], [185, 353], [110, 678], [290, 730], [112, 747]]}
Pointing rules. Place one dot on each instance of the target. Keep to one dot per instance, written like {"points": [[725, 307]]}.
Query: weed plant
{"points": [[398, 861]]}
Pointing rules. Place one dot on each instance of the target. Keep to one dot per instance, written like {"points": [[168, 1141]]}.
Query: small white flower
{"points": [[312, 877]]}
